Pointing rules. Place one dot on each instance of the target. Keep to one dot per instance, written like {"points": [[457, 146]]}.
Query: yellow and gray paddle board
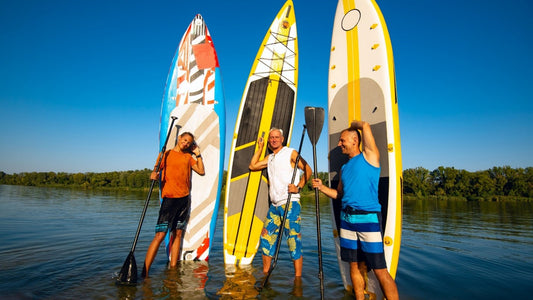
{"points": [[362, 86], [269, 100]]}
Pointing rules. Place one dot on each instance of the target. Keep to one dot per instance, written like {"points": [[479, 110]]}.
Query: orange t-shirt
{"points": [[175, 173]]}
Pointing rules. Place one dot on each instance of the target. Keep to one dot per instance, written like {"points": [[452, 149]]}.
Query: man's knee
{"points": [[160, 236]]}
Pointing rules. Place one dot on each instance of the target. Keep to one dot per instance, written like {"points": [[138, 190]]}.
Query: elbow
{"points": [[253, 167]]}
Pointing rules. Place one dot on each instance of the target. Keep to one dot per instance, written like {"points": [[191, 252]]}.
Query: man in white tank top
{"points": [[280, 166]]}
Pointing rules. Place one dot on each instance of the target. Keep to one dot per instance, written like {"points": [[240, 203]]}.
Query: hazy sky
{"points": [[81, 82]]}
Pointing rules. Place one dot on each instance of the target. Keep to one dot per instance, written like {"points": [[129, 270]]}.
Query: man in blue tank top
{"points": [[361, 239]]}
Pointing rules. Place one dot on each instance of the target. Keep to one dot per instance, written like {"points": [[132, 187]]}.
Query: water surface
{"points": [[70, 244]]}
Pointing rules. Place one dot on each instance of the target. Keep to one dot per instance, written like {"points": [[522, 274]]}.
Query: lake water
{"points": [[71, 244]]}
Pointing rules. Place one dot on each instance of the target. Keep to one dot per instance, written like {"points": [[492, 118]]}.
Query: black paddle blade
{"points": [[128, 273], [314, 119]]}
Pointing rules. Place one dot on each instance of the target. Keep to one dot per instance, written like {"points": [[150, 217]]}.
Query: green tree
{"points": [[417, 182]]}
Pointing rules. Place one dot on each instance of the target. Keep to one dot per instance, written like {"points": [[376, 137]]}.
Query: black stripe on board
{"points": [[283, 111], [383, 196], [248, 132], [241, 161], [250, 122], [251, 112], [251, 118]]}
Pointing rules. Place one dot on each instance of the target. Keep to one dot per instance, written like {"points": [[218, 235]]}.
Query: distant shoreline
{"points": [[444, 183]]}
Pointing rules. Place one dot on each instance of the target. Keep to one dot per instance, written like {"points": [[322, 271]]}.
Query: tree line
{"points": [[493, 184], [490, 184], [137, 179]]}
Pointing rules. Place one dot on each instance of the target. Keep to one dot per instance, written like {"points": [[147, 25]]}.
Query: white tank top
{"points": [[279, 176]]}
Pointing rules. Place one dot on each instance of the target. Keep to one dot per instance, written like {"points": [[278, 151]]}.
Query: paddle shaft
{"points": [[282, 225], [161, 154], [319, 238], [128, 273], [314, 118]]}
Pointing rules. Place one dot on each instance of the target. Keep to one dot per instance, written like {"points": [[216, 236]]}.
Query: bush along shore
{"points": [[443, 183]]}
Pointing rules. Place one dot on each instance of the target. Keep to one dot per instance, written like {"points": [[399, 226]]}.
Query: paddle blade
{"points": [[314, 119], [128, 273]]}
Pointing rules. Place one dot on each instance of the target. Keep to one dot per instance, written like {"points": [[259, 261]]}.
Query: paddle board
{"points": [[268, 101], [194, 94], [362, 86]]}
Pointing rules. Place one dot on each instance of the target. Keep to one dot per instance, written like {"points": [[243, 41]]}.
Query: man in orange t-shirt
{"points": [[175, 173]]}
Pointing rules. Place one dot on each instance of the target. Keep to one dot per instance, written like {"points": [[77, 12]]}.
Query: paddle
{"points": [[314, 118], [282, 226], [128, 273]]}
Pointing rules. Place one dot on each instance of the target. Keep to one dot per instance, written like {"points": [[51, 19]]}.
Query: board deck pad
{"points": [[194, 94], [268, 101], [362, 86]]}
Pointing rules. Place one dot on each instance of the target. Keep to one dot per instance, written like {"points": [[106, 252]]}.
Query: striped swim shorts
{"points": [[361, 238]]}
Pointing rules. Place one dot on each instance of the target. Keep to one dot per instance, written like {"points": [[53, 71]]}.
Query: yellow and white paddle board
{"points": [[362, 86], [269, 100]]}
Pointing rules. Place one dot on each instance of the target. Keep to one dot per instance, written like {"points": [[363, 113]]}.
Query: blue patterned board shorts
{"points": [[361, 238], [173, 214], [269, 235]]}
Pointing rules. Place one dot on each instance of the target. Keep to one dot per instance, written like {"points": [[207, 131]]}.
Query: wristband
{"points": [[199, 155]]}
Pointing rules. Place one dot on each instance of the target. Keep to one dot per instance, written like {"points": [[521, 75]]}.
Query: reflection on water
{"points": [[466, 250], [186, 281], [239, 284], [69, 244]]}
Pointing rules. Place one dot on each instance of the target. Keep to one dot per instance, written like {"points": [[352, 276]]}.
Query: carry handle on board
{"points": [[282, 225], [314, 118], [128, 273]]}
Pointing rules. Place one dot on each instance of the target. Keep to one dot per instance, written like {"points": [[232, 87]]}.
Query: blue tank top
{"points": [[360, 185]]}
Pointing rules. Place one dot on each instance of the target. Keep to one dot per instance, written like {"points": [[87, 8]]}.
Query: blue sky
{"points": [[81, 82]]}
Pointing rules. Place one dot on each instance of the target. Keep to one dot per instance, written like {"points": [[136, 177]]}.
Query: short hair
{"points": [[349, 129], [274, 129]]}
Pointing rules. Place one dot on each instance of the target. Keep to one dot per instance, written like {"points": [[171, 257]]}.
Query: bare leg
{"points": [[175, 248], [388, 286], [357, 280], [152, 252], [297, 290], [267, 260], [298, 266]]}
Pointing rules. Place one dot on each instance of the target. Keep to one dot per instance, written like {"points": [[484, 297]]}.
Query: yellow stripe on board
{"points": [[354, 87], [243, 229], [239, 177], [238, 148], [254, 223], [397, 146], [255, 177]]}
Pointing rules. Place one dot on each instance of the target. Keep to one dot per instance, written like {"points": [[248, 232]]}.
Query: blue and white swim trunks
{"points": [[361, 238]]}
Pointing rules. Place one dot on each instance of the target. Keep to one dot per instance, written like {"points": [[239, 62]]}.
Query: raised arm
{"points": [[370, 149], [198, 167], [255, 163]]}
